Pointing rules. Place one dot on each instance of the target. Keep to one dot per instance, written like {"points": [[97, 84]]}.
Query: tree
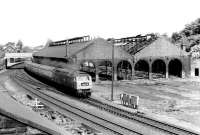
{"points": [[19, 46], [175, 37]]}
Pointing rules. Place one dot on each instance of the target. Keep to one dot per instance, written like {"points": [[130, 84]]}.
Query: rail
{"points": [[139, 117], [83, 114]]}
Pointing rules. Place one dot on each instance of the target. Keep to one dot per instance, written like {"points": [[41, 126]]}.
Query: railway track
{"points": [[147, 121], [139, 117], [88, 116]]}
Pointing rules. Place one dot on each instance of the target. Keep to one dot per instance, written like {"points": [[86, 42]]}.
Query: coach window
{"points": [[196, 71], [12, 60]]}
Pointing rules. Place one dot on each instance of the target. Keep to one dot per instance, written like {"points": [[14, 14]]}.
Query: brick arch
{"points": [[159, 68], [124, 70], [141, 68], [142, 65], [105, 70], [175, 67]]}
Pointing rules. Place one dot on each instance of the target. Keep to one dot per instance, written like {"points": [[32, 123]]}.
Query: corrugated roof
{"points": [[60, 51], [96, 49], [101, 49], [160, 48]]}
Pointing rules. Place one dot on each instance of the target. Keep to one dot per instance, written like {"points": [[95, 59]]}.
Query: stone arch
{"points": [[141, 69], [88, 67], [105, 70], [175, 67], [124, 70], [158, 68]]}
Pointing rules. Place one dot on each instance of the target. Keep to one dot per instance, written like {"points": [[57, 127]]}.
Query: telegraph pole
{"points": [[112, 42]]}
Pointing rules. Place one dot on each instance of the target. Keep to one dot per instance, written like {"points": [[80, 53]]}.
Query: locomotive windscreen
{"points": [[83, 78]]}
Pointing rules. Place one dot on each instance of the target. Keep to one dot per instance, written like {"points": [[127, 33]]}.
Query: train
{"points": [[12, 59], [73, 81]]}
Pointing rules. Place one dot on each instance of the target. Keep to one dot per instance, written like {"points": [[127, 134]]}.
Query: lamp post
{"points": [[112, 42]]}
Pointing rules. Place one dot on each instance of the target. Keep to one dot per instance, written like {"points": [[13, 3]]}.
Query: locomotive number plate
{"points": [[84, 84]]}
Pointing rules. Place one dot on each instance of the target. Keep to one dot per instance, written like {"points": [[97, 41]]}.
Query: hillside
{"points": [[189, 37]]}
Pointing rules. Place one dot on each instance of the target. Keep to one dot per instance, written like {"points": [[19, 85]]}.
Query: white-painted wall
{"points": [[195, 63], [18, 55]]}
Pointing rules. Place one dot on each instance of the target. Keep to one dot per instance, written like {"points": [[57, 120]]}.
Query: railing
{"points": [[71, 41]]}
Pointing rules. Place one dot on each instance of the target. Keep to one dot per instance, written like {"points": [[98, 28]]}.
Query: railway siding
{"points": [[56, 99], [90, 114]]}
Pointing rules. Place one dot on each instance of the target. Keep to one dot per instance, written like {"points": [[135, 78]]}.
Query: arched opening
{"points": [[158, 69], [88, 67], [105, 70], [175, 68], [124, 70], [141, 69]]}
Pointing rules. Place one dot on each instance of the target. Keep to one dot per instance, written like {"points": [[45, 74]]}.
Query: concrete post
{"points": [[133, 70], [133, 73], [150, 71], [167, 71], [183, 74], [96, 74]]}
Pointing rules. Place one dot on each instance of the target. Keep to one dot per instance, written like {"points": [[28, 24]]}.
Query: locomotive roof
{"points": [[43, 66], [71, 71]]}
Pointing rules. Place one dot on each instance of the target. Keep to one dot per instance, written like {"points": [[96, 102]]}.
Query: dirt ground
{"points": [[173, 100]]}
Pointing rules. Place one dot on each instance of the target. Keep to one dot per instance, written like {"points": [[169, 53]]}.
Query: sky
{"points": [[35, 21]]}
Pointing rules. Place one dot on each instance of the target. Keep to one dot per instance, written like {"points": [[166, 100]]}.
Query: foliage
{"points": [[19, 46], [189, 36]]}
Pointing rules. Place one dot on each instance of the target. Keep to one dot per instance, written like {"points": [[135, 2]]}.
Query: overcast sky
{"points": [[35, 21]]}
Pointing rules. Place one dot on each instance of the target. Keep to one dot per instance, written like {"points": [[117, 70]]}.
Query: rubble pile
{"points": [[24, 99]]}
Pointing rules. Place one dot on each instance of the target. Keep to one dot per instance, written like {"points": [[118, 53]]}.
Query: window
{"points": [[82, 78], [196, 71], [12, 60]]}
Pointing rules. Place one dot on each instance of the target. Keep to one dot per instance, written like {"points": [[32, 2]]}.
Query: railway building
{"points": [[160, 58], [164, 59], [195, 62], [195, 66], [91, 55]]}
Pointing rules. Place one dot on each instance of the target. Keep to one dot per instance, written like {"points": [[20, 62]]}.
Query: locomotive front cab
{"points": [[83, 84]]}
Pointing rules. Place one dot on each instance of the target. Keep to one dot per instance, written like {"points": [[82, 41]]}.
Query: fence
{"points": [[129, 100]]}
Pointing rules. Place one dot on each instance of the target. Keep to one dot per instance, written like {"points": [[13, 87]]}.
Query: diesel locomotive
{"points": [[74, 81]]}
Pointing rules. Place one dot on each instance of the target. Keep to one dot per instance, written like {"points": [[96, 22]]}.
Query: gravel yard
{"points": [[174, 100]]}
